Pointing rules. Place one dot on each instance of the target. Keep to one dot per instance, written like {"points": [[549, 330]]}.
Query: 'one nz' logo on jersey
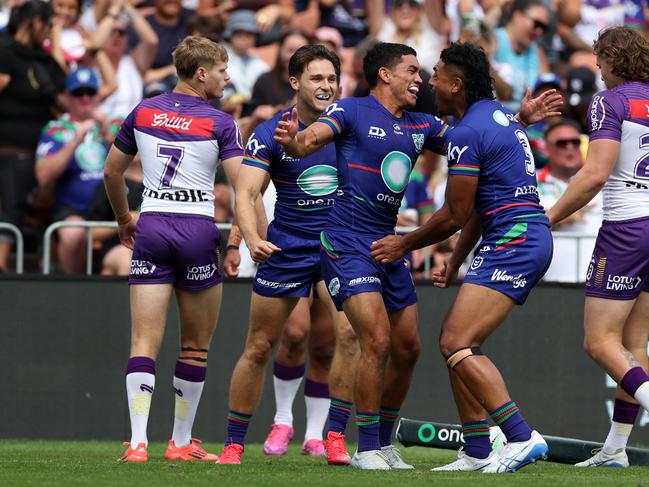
{"points": [[254, 146]]}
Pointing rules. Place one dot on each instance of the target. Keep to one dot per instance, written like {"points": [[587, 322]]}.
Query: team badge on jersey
{"points": [[418, 139]]}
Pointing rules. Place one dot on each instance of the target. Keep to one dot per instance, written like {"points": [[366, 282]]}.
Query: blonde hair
{"points": [[194, 52]]}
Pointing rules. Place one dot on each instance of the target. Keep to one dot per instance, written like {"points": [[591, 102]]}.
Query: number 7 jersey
{"points": [[180, 139]]}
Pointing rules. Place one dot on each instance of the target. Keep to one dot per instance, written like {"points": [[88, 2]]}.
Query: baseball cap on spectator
{"points": [[244, 20], [549, 80], [82, 78], [331, 35], [398, 3], [581, 83]]}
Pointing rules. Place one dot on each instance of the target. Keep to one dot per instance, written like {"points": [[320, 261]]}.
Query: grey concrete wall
{"points": [[65, 347]]}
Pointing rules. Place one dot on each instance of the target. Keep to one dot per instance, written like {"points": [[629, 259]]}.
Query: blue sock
{"points": [[386, 425], [476, 438], [339, 412], [511, 422], [368, 431], [237, 427]]}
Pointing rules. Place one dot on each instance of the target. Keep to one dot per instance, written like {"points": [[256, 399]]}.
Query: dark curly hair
{"points": [[474, 65], [626, 50], [383, 55]]}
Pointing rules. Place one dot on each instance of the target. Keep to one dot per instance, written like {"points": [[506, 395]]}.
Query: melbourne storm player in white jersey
{"points": [[616, 314], [181, 138]]}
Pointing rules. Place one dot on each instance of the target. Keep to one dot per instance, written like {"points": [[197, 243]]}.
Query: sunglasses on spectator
{"points": [[564, 143], [119, 32], [538, 24], [83, 92]]}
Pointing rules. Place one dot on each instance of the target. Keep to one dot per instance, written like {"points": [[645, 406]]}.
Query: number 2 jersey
{"points": [[180, 139], [622, 114]]}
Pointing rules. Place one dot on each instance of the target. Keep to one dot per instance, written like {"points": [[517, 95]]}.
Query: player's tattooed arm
{"points": [[629, 357]]}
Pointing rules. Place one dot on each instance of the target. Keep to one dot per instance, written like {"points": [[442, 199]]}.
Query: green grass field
{"points": [[45, 463]]}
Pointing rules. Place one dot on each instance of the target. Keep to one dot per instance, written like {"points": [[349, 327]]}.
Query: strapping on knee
{"points": [[456, 357], [196, 354]]}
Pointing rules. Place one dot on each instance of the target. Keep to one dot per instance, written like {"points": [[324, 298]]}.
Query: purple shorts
{"points": [[619, 267], [176, 248]]}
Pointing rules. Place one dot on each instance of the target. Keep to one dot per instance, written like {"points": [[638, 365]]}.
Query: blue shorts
{"points": [[512, 258], [349, 269], [292, 272], [176, 248]]}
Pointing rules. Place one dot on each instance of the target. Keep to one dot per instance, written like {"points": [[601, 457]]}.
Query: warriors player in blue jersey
{"points": [[289, 255], [180, 138], [616, 311], [491, 184], [377, 142]]}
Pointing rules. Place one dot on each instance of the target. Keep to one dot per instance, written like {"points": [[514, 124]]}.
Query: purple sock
{"points": [[316, 389], [625, 412], [190, 373], [388, 416], [511, 422], [237, 427], [633, 379], [476, 438], [287, 373], [140, 364], [368, 431], [339, 411]]}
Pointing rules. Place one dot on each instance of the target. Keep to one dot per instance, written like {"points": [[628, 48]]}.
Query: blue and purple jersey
{"points": [[622, 114], [490, 144], [418, 195], [375, 152], [306, 188], [180, 139]]}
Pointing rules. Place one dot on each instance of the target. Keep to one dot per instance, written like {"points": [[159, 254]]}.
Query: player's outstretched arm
{"points": [[297, 143], [247, 192], [533, 110], [584, 186], [467, 242], [116, 163]]}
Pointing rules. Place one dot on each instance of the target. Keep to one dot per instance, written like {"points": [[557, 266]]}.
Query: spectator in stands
{"points": [[581, 85], [169, 21], [112, 34], [68, 37], [244, 67], [411, 22], [331, 38], [563, 144], [70, 161], [517, 49], [30, 81]]}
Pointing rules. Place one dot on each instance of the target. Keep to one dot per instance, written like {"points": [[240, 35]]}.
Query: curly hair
{"points": [[626, 50], [472, 61]]}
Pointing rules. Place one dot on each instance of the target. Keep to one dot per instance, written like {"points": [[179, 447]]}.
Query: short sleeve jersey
{"points": [[376, 152], [622, 114], [306, 188], [490, 144], [180, 139], [85, 170]]}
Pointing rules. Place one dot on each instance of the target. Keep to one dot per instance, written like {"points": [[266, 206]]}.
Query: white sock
{"points": [[642, 395], [188, 395], [285, 391], [139, 389], [617, 438], [317, 411]]}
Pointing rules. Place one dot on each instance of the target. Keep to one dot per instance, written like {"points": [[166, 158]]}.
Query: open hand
{"points": [[287, 127], [545, 105], [388, 249]]}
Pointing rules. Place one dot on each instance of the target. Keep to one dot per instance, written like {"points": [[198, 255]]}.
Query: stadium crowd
{"points": [[70, 71]]}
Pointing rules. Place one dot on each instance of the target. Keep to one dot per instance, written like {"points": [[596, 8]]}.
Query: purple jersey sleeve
{"points": [[125, 140], [605, 116], [437, 136], [229, 137], [462, 152], [259, 150], [338, 115]]}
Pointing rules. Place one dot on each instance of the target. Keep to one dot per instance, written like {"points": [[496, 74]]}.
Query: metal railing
{"points": [[20, 245], [47, 239]]}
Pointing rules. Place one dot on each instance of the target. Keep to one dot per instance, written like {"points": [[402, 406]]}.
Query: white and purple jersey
{"points": [[489, 143], [180, 139], [622, 114], [375, 152], [306, 188]]}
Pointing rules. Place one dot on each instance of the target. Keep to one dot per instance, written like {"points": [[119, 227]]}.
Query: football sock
{"points": [[286, 382], [140, 383], [624, 415], [188, 385], [511, 422], [339, 412], [636, 384], [316, 397], [476, 438], [237, 427], [368, 431], [388, 417]]}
